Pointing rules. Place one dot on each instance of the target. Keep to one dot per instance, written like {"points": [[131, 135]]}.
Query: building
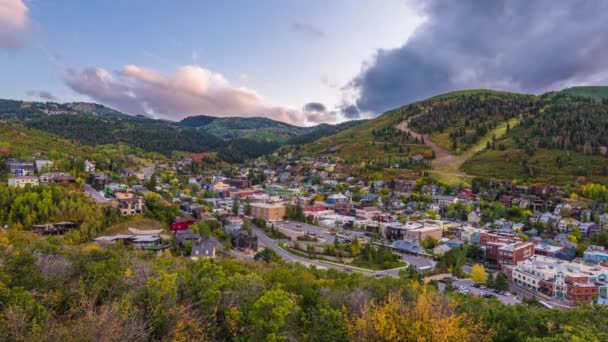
{"points": [[42, 165], [596, 253], [501, 250], [182, 223], [560, 279], [242, 239], [422, 233], [337, 198], [22, 181], [239, 183], [474, 217], [204, 249], [20, 168], [89, 166], [268, 211], [367, 213], [49, 177], [131, 206]]}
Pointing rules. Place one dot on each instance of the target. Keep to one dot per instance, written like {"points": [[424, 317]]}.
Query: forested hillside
{"points": [[235, 139], [93, 124], [544, 138]]}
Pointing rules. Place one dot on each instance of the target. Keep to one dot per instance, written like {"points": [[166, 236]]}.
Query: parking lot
{"points": [[465, 286], [323, 235]]}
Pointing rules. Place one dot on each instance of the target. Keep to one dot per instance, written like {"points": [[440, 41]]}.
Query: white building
{"points": [[22, 181], [43, 165]]}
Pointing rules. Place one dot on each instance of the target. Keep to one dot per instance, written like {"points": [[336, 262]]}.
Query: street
{"points": [[273, 244], [95, 194]]}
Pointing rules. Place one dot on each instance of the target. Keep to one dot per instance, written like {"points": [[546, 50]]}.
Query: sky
{"points": [[302, 62]]}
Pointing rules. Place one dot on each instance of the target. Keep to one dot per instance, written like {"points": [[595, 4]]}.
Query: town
{"points": [[539, 238]]}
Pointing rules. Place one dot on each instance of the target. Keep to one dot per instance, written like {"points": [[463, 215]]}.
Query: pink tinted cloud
{"points": [[190, 90], [14, 23]]}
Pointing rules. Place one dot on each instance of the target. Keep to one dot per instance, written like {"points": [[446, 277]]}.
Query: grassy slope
{"points": [[355, 143], [507, 164], [24, 142]]}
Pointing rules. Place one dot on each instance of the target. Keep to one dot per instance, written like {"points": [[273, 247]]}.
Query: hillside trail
{"points": [[445, 161]]}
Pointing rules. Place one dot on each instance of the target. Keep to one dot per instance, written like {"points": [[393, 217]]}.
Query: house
{"points": [[182, 223], [242, 239], [22, 181], [99, 180], [474, 217], [20, 168], [604, 220], [337, 198], [89, 166], [49, 177], [441, 249], [596, 253], [589, 228], [408, 247], [145, 242], [42, 165], [131, 205], [184, 236], [204, 249]]}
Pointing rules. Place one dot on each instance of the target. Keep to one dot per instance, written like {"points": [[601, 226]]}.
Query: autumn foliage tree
{"points": [[428, 318]]}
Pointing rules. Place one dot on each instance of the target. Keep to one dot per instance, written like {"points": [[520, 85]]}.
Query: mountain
{"points": [[597, 92], [94, 124], [482, 133], [235, 139], [259, 129]]}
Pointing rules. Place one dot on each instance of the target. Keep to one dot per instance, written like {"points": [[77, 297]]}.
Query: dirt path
{"points": [[444, 160]]}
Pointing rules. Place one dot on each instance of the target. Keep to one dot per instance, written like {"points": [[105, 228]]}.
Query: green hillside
{"points": [[485, 133], [93, 124], [235, 139], [597, 92]]}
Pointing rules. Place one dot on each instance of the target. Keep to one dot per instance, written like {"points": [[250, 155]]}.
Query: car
{"points": [[482, 287], [489, 295], [298, 225], [482, 293], [348, 269], [476, 285]]}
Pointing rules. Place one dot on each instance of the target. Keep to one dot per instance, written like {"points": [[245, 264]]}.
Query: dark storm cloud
{"points": [[316, 112], [42, 94], [314, 107], [519, 45], [351, 112]]}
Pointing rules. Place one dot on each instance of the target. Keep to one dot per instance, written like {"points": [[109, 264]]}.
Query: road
{"points": [[263, 239], [525, 293], [95, 194]]}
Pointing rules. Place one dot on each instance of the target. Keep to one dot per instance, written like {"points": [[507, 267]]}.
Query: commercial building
{"points": [[560, 279], [268, 211], [596, 253]]}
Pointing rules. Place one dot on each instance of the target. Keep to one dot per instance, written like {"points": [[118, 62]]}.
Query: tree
{"points": [[501, 283], [247, 209], [427, 319], [235, 206], [270, 313], [478, 274], [491, 281]]}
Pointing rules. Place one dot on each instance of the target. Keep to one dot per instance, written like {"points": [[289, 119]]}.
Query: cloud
{"points": [[316, 112], [519, 45], [307, 31], [190, 90], [351, 112], [14, 23], [42, 94]]}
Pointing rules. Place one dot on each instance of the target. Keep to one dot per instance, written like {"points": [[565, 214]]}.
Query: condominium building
{"points": [[561, 279]]}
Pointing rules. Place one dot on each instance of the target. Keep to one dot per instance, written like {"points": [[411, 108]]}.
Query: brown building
{"points": [[267, 211]]}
